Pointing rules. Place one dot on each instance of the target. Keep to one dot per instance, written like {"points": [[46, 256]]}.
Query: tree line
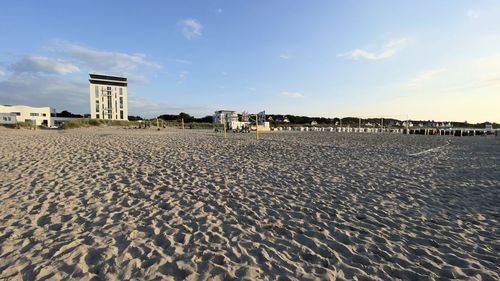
{"points": [[186, 117], [279, 119]]}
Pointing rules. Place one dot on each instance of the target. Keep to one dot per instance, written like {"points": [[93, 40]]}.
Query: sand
{"points": [[120, 204]]}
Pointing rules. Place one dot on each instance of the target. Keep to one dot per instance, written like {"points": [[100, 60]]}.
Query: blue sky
{"points": [[432, 60]]}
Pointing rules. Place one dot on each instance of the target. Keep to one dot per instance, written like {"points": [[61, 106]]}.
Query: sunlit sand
{"points": [[171, 204]]}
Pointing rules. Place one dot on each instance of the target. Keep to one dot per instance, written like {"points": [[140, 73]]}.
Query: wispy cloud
{"points": [[183, 75], [489, 82], [386, 51], [488, 63], [183, 61], [104, 60], [191, 28], [423, 77], [284, 56], [473, 14], [290, 94], [38, 64], [37, 90], [42, 81], [140, 105]]}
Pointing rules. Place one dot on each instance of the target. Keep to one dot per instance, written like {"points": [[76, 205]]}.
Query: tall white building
{"points": [[108, 97]]}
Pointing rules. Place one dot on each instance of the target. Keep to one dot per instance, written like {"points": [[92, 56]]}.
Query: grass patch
{"points": [[85, 122], [10, 126], [192, 125]]}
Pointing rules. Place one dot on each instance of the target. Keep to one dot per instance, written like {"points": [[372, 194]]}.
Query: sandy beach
{"points": [[117, 204]]}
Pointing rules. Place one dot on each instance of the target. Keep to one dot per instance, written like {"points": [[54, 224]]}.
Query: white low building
{"points": [[225, 116], [7, 119], [32, 115]]}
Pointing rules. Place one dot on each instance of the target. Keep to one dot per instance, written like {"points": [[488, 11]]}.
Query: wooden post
{"points": [[225, 133], [407, 125], [182, 121], [359, 125], [256, 127]]}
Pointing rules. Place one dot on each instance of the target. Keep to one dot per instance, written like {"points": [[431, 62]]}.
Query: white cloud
{"points": [[191, 28], [423, 77], [488, 82], [98, 60], [37, 64], [183, 75], [144, 107], [488, 63], [284, 56], [473, 14], [41, 90], [183, 61], [290, 94], [386, 51]]}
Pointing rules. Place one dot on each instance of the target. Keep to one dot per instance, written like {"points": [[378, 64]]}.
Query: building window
{"points": [[121, 91], [43, 114], [97, 105], [121, 102], [121, 114], [110, 116], [97, 116], [16, 113], [96, 91], [109, 89], [33, 114]]}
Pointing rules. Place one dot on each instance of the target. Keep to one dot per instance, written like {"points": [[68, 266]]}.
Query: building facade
{"points": [[32, 115], [108, 97], [7, 118], [225, 116]]}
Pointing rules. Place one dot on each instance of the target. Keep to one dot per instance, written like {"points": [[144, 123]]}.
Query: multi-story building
{"points": [[108, 97], [33, 115]]}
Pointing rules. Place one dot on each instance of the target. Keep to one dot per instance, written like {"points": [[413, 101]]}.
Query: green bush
{"points": [[84, 122], [24, 125]]}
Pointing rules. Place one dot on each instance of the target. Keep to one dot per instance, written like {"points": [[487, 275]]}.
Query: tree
{"points": [[68, 114], [187, 118], [134, 118]]}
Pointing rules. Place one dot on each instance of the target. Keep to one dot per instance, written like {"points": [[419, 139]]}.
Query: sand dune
{"points": [[121, 204]]}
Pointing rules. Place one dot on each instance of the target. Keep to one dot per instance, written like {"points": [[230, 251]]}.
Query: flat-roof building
{"points": [[7, 118], [32, 115], [223, 116], [108, 97]]}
